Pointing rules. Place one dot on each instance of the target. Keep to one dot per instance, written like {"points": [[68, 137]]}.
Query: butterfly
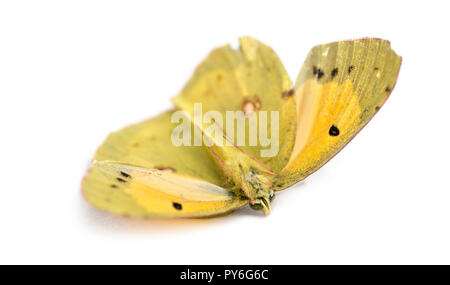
{"points": [[139, 172]]}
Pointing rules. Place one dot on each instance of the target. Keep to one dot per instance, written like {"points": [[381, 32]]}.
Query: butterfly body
{"points": [[139, 171]]}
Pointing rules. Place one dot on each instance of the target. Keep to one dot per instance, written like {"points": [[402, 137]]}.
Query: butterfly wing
{"points": [[249, 79], [137, 171], [340, 87], [141, 192]]}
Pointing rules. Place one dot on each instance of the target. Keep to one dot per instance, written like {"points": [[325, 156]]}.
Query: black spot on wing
{"points": [[121, 180], [124, 174], [177, 206], [350, 69], [388, 89], [334, 131], [318, 72], [334, 72], [113, 186]]}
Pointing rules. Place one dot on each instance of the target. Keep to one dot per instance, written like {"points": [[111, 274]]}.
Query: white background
{"points": [[73, 71]]}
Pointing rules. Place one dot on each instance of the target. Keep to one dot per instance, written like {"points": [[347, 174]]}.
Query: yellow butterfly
{"points": [[139, 172]]}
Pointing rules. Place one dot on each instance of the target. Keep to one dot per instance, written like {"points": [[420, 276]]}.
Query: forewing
{"points": [[250, 79], [340, 87]]}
